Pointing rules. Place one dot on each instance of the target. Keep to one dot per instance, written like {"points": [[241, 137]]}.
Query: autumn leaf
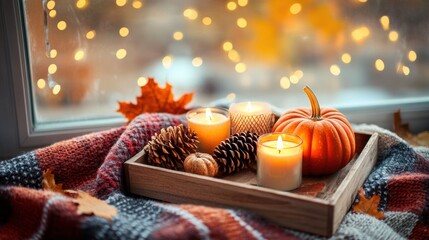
{"points": [[89, 205], [368, 206], [48, 182], [310, 189], [155, 99]]}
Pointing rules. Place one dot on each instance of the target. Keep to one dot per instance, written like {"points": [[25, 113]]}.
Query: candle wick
{"points": [[280, 151], [210, 117]]}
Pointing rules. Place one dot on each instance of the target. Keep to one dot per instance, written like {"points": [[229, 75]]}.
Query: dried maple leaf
{"points": [[403, 130], [88, 204], [48, 182], [368, 206], [155, 99]]}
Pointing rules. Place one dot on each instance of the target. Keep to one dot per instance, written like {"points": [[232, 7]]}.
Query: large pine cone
{"points": [[170, 147], [236, 153]]}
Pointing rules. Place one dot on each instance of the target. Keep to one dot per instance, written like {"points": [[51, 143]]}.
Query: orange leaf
{"points": [[88, 204], [368, 206], [48, 182], [155, 99], [310, 189]]}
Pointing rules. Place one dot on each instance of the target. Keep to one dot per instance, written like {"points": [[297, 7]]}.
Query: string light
{"points": [[56, 89], [227, 46], [50, 5], [231, 96], [360, 34], [79, 55], [385, 22], [231, 6], [196, 62], [178, 36], [81, 4], [412, 56], [121, 3], [234, 56], [335, 70], [207, 21], [190, 13], [52, 13], [240, 67], [363, 1], [61, 25], [167, 61], [379, 65], [52, 68], [405, 70], [284, 82], [242, 3], [393, 36], [241, 22], [90, 34], [346, 58], [141, 81], [295, 8], [123, 32], [121, 53], [41, 83], [137, 4], [299, 74], [53, 53]]}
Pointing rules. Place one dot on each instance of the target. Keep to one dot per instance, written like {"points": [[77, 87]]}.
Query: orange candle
{"points": [[212, 126], [279, 161]]}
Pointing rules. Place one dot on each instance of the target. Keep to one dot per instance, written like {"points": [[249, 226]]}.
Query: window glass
{"points": [[85, 55]]}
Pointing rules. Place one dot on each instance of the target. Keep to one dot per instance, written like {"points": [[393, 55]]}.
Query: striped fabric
{"points": [[93, 163]]}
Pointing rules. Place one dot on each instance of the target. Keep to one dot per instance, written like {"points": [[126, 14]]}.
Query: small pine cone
{"points": [[236, 153], [170, 147]]}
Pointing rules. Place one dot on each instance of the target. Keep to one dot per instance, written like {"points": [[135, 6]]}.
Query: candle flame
{"points": [[209, 114], [249, 107], [279, 143]]}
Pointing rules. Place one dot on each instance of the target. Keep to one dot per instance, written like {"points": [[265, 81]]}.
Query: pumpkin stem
{"points": [[315, 107]]}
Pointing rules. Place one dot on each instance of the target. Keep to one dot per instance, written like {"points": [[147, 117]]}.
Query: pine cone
{"points": [[236, 153], [170, 147]]}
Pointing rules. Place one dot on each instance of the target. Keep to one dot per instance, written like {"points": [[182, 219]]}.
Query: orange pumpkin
{"points": [[328, 138]]}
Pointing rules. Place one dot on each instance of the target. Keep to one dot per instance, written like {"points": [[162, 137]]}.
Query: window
{"points": [[79, 57]]}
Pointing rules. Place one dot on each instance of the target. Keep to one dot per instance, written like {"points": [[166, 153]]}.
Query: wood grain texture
{"points": [[318, 215]]}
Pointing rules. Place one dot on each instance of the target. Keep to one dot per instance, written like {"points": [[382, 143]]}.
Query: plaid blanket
{"points": [[93, 163]]}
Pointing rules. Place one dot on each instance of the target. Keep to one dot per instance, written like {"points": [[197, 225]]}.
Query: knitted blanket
{"points": [[93, 163]]}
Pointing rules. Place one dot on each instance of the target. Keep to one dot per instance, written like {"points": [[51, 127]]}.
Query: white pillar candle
{"points": [[279, 161], [212, 126], [256, 117]]}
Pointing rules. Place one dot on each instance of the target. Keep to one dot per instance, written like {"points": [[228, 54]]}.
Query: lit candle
{"points": [[255, 117], [212, 126], [279, 161]]}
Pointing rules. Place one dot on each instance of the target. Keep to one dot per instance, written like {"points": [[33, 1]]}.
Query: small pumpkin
{"points": [[201, 163], [328, 138]]}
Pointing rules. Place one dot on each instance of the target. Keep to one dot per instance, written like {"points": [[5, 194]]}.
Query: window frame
{"points": [[19, 132]]}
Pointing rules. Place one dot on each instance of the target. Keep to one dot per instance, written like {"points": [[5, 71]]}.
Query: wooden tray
{"points": [[320, 214]]}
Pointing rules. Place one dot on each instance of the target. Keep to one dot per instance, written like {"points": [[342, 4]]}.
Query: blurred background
{"points": [[85, 55]]}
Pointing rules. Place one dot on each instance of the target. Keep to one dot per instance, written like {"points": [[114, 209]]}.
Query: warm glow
{"points": [[52, 13], [167, 61], [207, 21], [209, 115], [137, 4], [362, 1], [241, 22], [294, 79], [121, 53], [190, 13], [121, 3], [393, 36], [81, 4], [242, 3], [279, 143], [178, 36], [41, 83], [234, 56], [231, 6], [227, 46], [61, 25], [406, 70], [124, 31], [248, 107], [53, 53], [284, 83], [79, 55], [196, 62], [240, 67], [52, 68], [412, 56], [141, 81], [346, 58], [360, 34], [90, 34], [56, 89], [385, 22], [295, 8], [50, 5], [299, 74], [231, 96], [335, 70], [379, 65]]}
